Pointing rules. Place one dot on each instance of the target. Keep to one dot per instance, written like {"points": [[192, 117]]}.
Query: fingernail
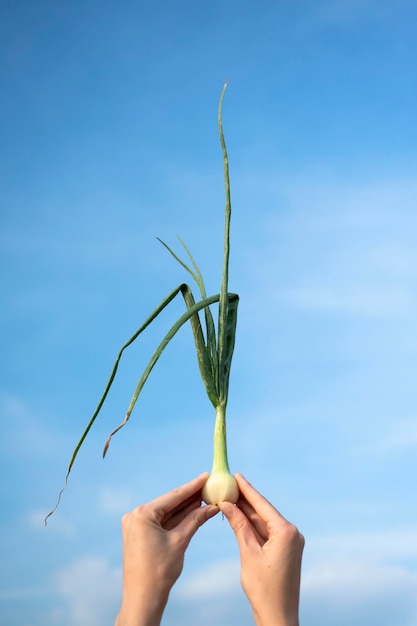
{"points": [[212, 510], [225, 506]]}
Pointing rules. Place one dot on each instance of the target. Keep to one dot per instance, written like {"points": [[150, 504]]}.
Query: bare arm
{"points": [[270, 552], [155, 537]]}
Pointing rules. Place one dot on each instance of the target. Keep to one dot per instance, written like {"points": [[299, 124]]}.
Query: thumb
{"points": [[239, 523], [192, 522]]}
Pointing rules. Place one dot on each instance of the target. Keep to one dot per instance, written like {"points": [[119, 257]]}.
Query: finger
{"points": [[261, 505], [246, 535], [194, 520], [176, 517], [259, 525], [175, 498], [195, 498]]}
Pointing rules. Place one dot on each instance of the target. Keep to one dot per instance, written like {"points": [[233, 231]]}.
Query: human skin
{"points": [[271, 551], [155, 538]]}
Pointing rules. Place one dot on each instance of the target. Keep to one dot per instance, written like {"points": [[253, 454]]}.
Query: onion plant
{"points": [[214, 349]]}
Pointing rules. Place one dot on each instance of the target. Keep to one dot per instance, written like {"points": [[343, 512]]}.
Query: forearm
{"points": [[274, 604], [133, 618], [142, 611], [270, 613], [271, 620]]}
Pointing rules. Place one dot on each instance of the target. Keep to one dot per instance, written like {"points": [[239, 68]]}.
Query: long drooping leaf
{"points": [[212, 391], [205, 366], [228, 348], [202, 354], [210, 327], [211, 340], [214, 352]]}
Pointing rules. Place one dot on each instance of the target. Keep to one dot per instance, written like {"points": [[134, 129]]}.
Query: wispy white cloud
{"points": [[23, 433], [339, 250], [115, 500], [91, 589], [211, 594], [359, 592], [396, 437], [61, 526], [364, 577], [24, 593], [219, 578], [341, 13], [392, 545], [358, 577], [347, 578]]}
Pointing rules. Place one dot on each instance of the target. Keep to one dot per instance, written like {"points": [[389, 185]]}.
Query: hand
{"points": [[155, 537], [270, 553]]}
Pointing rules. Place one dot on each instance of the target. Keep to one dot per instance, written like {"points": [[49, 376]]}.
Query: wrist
{"points": [[145, 611], [128, 617], [276, 622], [270, 619]]}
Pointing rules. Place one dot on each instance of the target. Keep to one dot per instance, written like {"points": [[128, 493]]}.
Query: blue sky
{"points": [[109, 139]]}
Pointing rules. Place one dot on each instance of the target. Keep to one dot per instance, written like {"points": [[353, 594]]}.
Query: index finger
{"points": [[169, 501], [266, 511]]}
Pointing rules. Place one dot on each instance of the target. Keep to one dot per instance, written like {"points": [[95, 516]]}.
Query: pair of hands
{"points": [[156, 535]]}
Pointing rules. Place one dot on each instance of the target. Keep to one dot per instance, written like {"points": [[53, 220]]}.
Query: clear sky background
{"points": [[108, 117]]}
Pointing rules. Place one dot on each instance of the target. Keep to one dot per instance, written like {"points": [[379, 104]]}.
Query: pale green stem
{"points": [[220, 462]]}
